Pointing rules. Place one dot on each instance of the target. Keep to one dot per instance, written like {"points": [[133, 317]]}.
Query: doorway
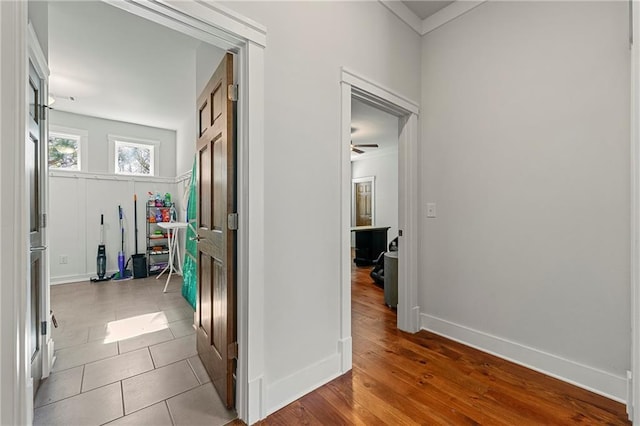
{"points": [[374, 210], [354, 86], [121, 322], [214, 25]]}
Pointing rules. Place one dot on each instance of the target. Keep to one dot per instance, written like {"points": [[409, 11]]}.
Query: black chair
{"points": [[377, 273]]}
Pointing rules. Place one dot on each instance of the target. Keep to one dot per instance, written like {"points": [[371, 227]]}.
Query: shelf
{"points": [[157, 259], [158, 252]]}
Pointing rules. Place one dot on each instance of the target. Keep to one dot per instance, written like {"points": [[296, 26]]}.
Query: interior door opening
{"points": [[374, 206], [109, 329]]}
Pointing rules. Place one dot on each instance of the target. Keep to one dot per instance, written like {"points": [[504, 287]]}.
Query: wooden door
{"points": [[363, 204], [216, 248], [34, 152]]}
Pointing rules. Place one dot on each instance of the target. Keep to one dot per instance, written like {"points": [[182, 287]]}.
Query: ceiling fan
{"points": [[355, 149]]}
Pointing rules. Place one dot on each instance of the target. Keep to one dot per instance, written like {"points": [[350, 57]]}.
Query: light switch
{"points": [[431, 209]]}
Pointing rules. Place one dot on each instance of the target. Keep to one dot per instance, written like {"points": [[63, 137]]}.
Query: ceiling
{"points": [[425, 8], [372, 125], [119, 66]]}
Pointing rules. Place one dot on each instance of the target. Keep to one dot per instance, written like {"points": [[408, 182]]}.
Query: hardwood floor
{"points": [[400, 378]]}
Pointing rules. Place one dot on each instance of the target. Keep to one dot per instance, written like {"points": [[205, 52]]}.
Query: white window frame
{"points": [[115, 140], [82, 136]]}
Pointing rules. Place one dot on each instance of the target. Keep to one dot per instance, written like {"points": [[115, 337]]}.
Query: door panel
{"points": [[216, 306], [34, 153], [363, 204]]}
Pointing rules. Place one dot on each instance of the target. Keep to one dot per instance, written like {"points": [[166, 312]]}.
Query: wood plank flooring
{"points": [[405, 379]]}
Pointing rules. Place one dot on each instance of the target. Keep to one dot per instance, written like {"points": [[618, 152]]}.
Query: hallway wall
{"points": [[525, 150]]}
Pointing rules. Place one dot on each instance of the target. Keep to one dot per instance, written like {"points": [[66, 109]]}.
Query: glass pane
{"points": [[134, 160], [63, 153]]}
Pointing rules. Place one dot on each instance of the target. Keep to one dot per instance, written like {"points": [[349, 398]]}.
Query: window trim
{"points": [[127, 140], [81, 135]]}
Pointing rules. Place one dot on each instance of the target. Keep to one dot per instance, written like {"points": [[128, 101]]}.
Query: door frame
{"points": [[633, 376], [367, 90], [36, 56], [208, 22]]}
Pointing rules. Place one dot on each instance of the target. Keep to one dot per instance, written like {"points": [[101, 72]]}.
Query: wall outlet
{"points": [[431, 210], [64, 259]]}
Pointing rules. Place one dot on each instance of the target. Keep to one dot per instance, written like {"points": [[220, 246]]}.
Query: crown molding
{"points": [[438, 19], [404, 13], [449, 13]]}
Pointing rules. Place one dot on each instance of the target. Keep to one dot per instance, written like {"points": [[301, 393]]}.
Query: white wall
{"points": [[206, 60], [308, 42], [525, 150], [38, 13], [78, 199], [385, 170]]}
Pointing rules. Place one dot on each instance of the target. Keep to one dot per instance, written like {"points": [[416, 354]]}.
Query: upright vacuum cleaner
{"points": [[101, 259]]}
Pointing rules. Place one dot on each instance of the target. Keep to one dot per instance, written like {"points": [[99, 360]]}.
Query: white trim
{"points": [[373, 93], [345, 349], [592, 379], [405, 14], [633, 403], [378, 91], [448, 14], [83, 143], [354, 181], [37, 55], [292, 387], [208, 22], [345, 220], [67, 279], [74, 174], [430, 23], [15, 402], [251, 240]]}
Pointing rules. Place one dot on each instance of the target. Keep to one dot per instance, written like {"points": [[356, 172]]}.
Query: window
{"points": [[131, 156], [66, 148], [134, 159]]}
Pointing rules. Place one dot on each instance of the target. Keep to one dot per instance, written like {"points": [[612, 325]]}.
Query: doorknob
{"points": [[38, 248], [196, 238]]}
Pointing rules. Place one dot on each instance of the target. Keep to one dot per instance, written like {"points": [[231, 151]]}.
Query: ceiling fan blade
{"points": [[357, 151], [367, 145]]}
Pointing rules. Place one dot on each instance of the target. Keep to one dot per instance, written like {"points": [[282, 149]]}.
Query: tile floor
{"points": [[126, 355]]}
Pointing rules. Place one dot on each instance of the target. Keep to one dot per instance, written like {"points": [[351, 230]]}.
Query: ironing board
{"points": [[173, 229]]}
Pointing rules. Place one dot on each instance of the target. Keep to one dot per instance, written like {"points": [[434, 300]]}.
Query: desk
{"points": [[370, 242], [172, 229]]}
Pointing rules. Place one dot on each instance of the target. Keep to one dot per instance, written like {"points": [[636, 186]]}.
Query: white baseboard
{"points": [[287, 390], [589, 378], [67, 279], [345, 349], [256, 401]]}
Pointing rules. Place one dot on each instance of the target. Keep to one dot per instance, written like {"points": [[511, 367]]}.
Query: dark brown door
{"points": [[216, 301], [34, 166]]}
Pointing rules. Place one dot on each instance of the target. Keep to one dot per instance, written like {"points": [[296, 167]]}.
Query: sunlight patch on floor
{"points": [[135, 326]]}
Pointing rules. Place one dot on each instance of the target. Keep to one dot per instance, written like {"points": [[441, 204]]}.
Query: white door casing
{"points": [[407, 110]]}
